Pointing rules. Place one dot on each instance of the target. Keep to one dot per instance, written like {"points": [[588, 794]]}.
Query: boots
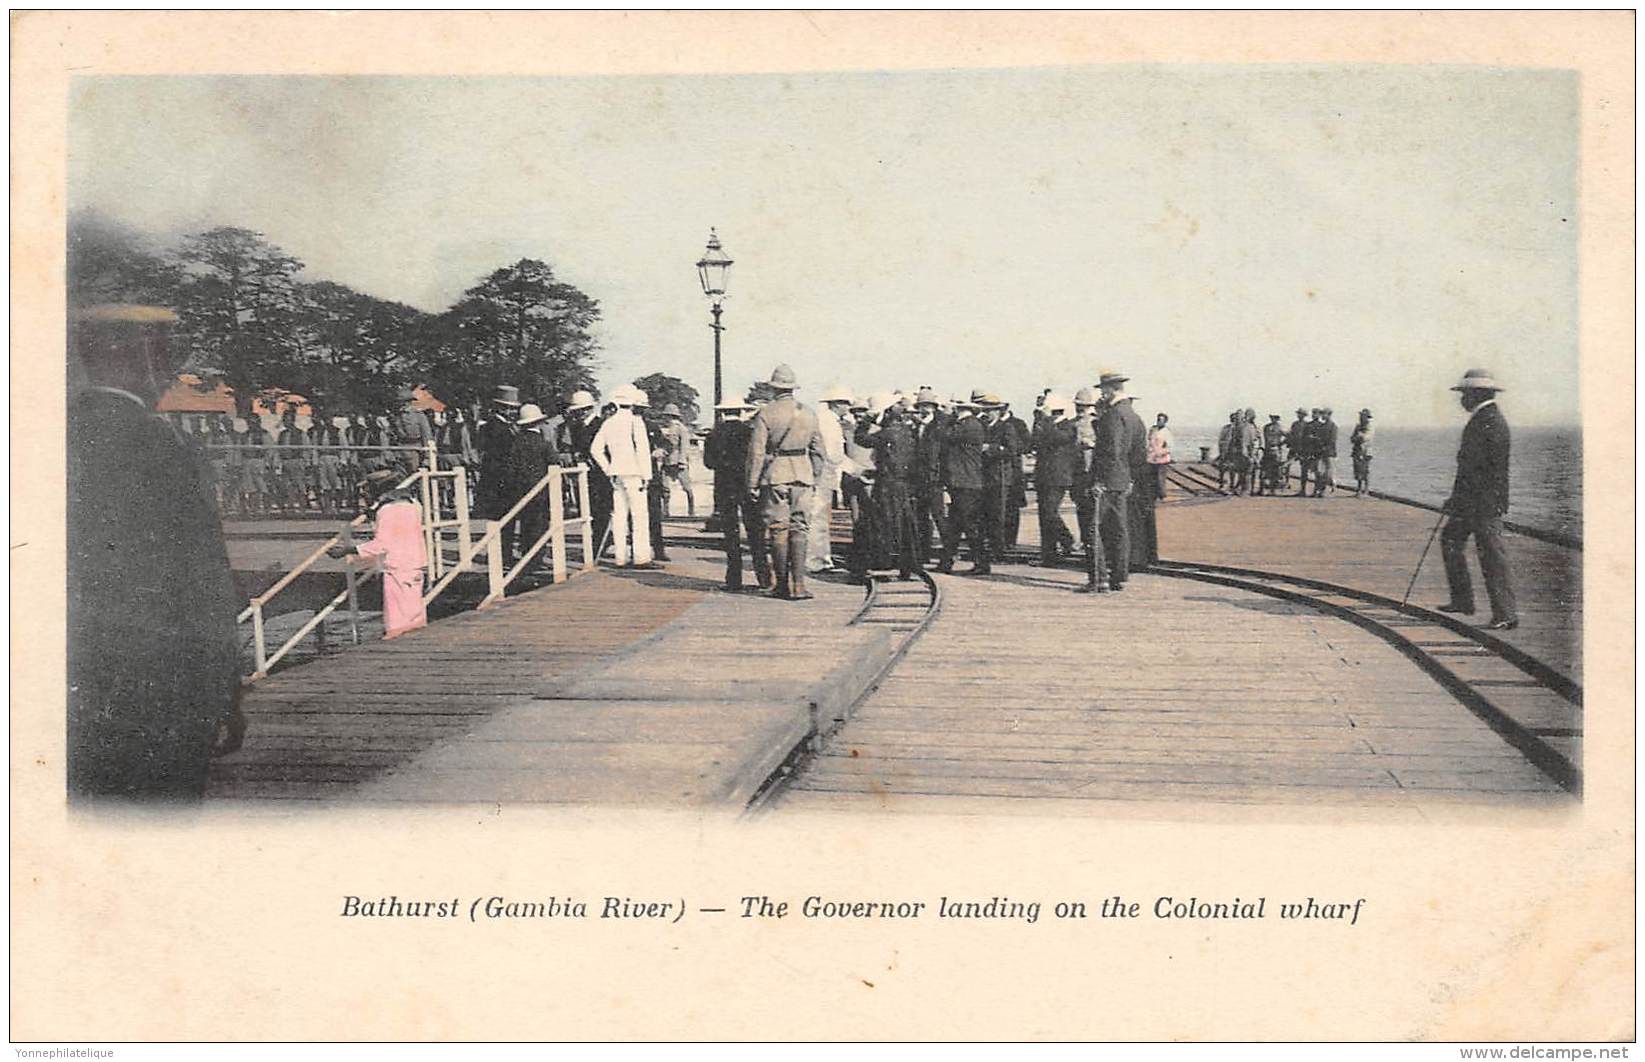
{"points": [[779, 562], [796, 567]]}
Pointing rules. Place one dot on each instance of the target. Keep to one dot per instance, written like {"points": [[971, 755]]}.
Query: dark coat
{"points": [[1136, 442], [928, 450], [496, 443], [1300, 439], [153, 649], [962, 454], [1002, 455], [1481, 487], [1056, 452], [529, 460], [893, 451], [1325, 438], [725, 452], [1111, 459]]}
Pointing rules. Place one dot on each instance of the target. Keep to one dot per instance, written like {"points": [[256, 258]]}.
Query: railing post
{"points": [[431, 543], [556, 522], [459, 486], [588, 519], [494, 560], [353, 600], [258, 647]]}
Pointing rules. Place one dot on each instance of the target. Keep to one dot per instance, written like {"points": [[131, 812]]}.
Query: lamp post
{"points": [[712, 270]]}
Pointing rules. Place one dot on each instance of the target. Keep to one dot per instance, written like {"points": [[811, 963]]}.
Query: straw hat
{"points": [[530, 414], [1477, 380]]}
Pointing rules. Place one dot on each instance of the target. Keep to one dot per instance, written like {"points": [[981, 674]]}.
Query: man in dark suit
{"points": [[1140, 502], [726, 453], [153, 650], [1056, 450], [929, 425], [529, 460], [497, 434], [1479, 499], [892, 499], [962, 473], [1001, 464], [1109, 559]]}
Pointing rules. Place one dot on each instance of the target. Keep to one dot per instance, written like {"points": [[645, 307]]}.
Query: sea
{"points": [[1544, 471]]}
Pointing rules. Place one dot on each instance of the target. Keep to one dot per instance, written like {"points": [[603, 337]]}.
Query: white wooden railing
{"points": [[436, 529]]}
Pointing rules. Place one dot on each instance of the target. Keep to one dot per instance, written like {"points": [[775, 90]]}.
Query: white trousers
{"points": [[629, 514], [818, 542]]}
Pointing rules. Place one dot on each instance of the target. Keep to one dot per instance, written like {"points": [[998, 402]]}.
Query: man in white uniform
{"points": [[623, 451]]}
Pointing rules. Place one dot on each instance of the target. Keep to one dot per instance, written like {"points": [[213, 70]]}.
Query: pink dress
{"points": [[398, 540]]}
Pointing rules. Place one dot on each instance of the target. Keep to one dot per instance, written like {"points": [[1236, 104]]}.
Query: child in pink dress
{"points": [[398, 539]]}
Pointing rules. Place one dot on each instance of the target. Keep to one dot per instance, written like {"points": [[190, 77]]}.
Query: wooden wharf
{"points": [[1266, 663]]}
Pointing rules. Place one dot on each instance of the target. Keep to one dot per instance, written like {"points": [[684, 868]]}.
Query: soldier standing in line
{"points": [[929, 511], [330, 438], [1325, 449], [1478, 502], [784, 456], [725, 453], [1056, 449], [962, 448], [224, 473], [1361, 441], [1108, 563], [497, 434]]}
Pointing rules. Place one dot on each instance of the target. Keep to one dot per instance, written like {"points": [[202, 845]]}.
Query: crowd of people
{"points": [[925, 479], [1258, 459]]}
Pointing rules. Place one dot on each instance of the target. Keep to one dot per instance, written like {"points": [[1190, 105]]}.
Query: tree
{"points": [[357, 350], [520, 325], [239, 309], [662, 389], [760, 392], [108, 262]]}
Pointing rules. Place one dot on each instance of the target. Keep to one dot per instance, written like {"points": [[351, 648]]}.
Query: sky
{"points": [[1228, 236]]}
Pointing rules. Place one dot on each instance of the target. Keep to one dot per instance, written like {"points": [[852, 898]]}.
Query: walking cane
{"points": [[1432, 535]]}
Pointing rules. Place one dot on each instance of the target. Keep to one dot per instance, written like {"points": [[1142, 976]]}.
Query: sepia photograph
{"points": [[921, 450]]}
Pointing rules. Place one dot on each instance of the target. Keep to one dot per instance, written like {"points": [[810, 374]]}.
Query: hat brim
{"points": [[1491, 387]]}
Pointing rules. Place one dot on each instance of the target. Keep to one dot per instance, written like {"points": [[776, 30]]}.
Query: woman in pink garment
{"points": [[398, 540]]}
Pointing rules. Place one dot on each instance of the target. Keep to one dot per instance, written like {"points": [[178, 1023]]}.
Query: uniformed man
{"points": [[930, 512], [1273, 455], [962, 449], [153, 649], [1478, 502], [676, 464], [726, 454], [497, 433], [1109, 559], [784, 457], [1056, 451], [331, 437], [410, 429], [255, 479]]}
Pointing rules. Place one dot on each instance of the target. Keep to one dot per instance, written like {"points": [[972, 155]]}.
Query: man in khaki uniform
{"points": [[785, 457]]}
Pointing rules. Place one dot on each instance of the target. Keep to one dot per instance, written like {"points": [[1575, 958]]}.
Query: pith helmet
{"points": [[927, 397], [1085, 397], [581, 400], [782, 378], [1055, 402], [880, 402], [641, 399], [624, 394], [530, 414], [339, 421], [671, 410], [241, 425], [1477, 380], [304, 422], [837, 393]]}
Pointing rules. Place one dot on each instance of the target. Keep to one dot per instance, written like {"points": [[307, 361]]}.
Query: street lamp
{"points": [[712, 270]]}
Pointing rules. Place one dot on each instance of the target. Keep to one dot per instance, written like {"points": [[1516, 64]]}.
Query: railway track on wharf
{"points": [[1531, 706]]}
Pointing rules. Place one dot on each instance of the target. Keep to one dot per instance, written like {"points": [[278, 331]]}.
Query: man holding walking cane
{"points": [[1478, 501]]}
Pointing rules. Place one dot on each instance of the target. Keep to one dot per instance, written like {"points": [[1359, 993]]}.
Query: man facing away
{"points": [[153, 648], [784, 457], [928, 426], [962, 473], [1056, 449], [622, 450], [1478, 501], [497, 434], [726, 454]]}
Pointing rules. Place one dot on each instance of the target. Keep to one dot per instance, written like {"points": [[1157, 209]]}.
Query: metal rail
{"points": [[1533, 738]]}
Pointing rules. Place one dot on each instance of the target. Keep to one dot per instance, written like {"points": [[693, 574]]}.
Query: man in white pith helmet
{"points": [[835, 402], [622, 450], [785, 456]]}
